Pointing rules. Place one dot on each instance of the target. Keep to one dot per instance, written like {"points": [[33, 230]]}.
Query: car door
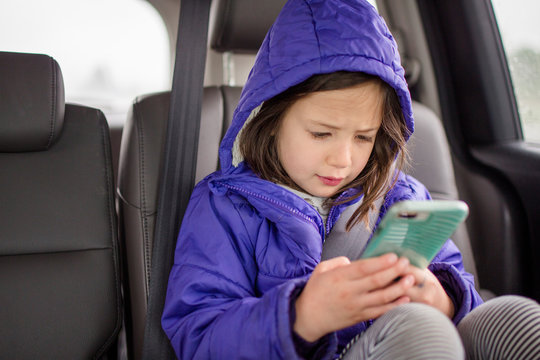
{"points": [[466, 79]]}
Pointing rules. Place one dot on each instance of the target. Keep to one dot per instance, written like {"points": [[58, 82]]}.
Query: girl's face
{"points": [[325, 138]]}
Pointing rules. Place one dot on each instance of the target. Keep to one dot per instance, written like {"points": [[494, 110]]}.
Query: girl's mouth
{"points": [[330, 181]]}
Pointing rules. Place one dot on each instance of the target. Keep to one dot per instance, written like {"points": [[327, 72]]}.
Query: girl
{"points": [[319, 132]]}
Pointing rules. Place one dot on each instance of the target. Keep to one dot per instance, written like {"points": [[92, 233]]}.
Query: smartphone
{"points": [[416, 229]]}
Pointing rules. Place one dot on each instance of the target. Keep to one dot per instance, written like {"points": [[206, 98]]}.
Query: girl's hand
{"points": [[340, 293], [428, 290]]}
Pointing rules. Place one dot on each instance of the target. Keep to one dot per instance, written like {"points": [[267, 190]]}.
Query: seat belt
{"points": [[179, 165], [351, 244]]}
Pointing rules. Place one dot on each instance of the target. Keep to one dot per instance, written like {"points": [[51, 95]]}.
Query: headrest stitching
{"points": [[53, 100]]}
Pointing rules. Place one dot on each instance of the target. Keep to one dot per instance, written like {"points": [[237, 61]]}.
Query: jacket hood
{"points": [[317, 37]]}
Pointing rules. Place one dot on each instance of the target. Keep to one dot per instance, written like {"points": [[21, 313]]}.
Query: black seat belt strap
{"points": [[179, 164]]}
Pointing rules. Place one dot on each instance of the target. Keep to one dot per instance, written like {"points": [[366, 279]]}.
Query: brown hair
{"points": [[258, 142]]}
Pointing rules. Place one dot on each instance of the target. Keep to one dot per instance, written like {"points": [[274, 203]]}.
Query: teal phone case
{"points": [[417, 229]]}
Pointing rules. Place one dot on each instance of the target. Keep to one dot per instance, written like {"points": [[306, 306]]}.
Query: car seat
{"points": [[59, 269], [141, 154]]}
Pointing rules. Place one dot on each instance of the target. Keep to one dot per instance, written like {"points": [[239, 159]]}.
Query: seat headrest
{"points": [[410, 64], [239, 26], [32, 102]]}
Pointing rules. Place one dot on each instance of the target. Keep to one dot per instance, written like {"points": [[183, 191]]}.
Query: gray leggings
{"points": [[507, 327]]}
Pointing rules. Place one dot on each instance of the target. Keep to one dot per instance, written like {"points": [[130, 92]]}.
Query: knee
{"points": [[423, 321], [417, 325], [513, 300], [421, 315], [504, 326], [409, 331], [502, 309]]}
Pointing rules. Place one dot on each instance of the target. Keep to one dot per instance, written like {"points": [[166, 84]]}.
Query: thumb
{"points": [[332, 264]]}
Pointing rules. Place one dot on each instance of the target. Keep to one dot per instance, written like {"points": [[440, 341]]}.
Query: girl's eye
{"points": [[319, 135], [364, 138]]}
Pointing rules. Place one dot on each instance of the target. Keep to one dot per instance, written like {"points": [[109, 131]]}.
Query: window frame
{"points": [[480, 115]]}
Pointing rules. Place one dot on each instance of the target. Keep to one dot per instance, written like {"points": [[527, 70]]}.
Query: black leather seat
{"points": [[59, 265], [138, 179]]}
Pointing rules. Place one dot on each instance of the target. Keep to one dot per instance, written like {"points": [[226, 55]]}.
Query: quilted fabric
{"points": [[316, 37]]}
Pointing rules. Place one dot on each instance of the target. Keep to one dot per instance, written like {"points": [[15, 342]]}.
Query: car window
{"points": [[519, 27], [110, 51]]}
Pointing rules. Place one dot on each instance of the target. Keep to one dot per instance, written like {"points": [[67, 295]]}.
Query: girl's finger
{"points": [[332, 264], [375, 311], [388, 294], [420, 275], [363, 267], [385, 277]]}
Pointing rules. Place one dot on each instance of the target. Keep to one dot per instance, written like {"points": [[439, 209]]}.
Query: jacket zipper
{"points": [[278, 204], [329, 220]]}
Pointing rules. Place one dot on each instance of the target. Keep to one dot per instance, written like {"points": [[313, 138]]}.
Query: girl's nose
{"points": [[340, 155]]}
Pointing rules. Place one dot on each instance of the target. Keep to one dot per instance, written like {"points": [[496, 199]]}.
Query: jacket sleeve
{"points": [[212, 309], [447, 265]]}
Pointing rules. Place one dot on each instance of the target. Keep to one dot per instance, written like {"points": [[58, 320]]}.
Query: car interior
{"points": [[87, 239]]}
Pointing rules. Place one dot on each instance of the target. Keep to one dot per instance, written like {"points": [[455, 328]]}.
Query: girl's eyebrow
{"points": [[368, 130], [320, 123]]}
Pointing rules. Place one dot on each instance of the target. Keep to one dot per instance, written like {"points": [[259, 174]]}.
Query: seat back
{"points": [[59, 272], [141, 154]]}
